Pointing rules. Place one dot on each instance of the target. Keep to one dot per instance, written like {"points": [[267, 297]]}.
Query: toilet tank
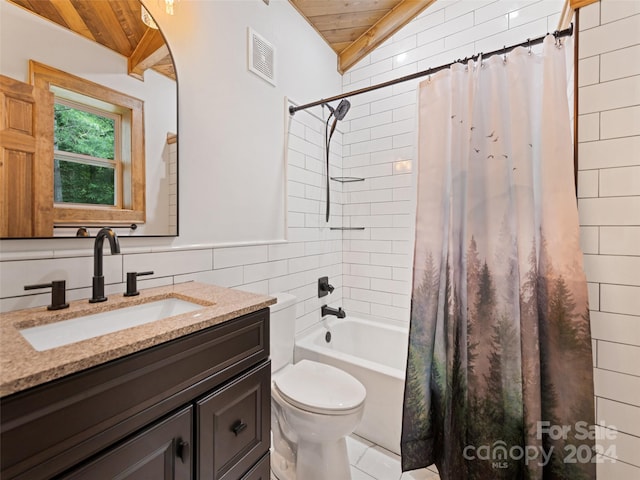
{"points": [[282, 330]]}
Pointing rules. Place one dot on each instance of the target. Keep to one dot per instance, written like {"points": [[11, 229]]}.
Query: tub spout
{"points": [[332, 311]]}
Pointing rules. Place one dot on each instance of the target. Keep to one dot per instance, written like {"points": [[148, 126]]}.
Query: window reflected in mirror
{"points": [[85, 161], [99, 157]]}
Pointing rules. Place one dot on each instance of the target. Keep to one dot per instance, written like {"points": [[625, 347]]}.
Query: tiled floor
{"points": [[371, 462]]}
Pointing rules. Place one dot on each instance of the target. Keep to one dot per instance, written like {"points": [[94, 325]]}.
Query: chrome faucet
{"points": [[97, 294], [340, 313]]}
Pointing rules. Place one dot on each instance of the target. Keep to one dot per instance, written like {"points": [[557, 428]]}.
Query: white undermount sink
{"points": [[66, 332]]}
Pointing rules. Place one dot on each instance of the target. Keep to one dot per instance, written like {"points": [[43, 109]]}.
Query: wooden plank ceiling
{"points": [[353, 28], [116, 24]]}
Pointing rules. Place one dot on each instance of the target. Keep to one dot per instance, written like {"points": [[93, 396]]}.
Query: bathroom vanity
{"points": [[183, 397]]}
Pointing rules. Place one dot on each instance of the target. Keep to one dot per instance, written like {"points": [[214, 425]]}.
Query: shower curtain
{"points": [[499, 375]]}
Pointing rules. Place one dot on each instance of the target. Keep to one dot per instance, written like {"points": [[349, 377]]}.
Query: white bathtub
{"points": [[375, 354]]}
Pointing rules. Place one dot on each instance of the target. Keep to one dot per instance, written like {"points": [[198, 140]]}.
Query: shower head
{"points": [[341, 111], [338, 114], [343, 108]]}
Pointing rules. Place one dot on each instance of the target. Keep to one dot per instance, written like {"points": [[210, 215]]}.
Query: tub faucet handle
{"points": [[324, 287]]}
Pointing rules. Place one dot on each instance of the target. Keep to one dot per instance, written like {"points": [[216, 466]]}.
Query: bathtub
{"points": [[375, 354]]}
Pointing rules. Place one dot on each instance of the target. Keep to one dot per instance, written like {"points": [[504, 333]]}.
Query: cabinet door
{"points": [[262, 471], [233, 426], [161, 452]]}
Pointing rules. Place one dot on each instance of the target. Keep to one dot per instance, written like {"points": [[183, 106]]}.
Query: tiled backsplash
{"points": [[312, 250]]}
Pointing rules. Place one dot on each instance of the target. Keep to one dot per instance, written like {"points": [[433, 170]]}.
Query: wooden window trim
{"points": [[133, 185]]}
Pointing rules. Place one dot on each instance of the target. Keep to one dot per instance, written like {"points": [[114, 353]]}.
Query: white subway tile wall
{"points": [[608, 180], [313, 250], [371, 269], [380, 146], [609, 207]]}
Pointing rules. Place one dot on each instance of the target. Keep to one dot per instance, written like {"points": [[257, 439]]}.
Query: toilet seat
{"points": [[320, 388]]}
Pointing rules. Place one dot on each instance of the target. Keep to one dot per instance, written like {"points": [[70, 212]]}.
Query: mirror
{"points": [[107, 44]]}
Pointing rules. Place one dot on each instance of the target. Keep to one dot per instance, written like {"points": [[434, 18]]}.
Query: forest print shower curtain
{"points": [[499, 374]]}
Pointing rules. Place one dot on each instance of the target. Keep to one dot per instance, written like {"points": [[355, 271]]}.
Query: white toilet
{"points": [[313, 407]]}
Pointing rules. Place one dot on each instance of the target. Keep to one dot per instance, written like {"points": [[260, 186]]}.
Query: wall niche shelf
{"points": [[347, 179]]}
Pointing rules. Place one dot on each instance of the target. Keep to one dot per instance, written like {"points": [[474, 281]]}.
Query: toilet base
{"points": [[281, 468], [315, 461]]}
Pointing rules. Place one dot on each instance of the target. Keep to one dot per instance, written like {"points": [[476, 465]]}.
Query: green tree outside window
{"points": [[80, 132]]}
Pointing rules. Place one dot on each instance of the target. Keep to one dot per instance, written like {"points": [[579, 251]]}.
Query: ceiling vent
{"points": [[262, 57]]}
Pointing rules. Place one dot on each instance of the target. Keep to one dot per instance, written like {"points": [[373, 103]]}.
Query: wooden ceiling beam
{"points": [[565, 16], [568, 9], [575, 4], [149, 51], [393, 21], [340, 46]]}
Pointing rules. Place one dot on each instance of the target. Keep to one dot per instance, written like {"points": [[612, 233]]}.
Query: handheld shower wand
{"points": [[337, 113]]}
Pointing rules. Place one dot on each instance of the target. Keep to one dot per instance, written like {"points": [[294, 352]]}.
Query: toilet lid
{"points": [[320, 388]]}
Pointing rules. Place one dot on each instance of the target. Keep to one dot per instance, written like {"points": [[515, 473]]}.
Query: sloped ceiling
{"points": [[116, 24], [353, 28]]}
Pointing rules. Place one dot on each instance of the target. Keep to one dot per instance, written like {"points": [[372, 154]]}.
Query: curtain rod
{"points": [[567, 32]]}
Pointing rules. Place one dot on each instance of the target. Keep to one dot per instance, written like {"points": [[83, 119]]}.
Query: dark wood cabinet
{"points": [[233, 426], [145, 415], [261, 471], [161, 452]]}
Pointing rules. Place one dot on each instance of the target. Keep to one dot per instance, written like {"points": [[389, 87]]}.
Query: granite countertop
{"points": [[22, 367]]}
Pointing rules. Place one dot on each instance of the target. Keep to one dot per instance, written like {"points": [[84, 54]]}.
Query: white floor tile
{"points": [[357, 474], [371, 462], [356, 446], [381, 464], [422, 474]]}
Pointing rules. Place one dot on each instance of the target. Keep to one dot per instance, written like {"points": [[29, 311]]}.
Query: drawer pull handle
{"points": [[238, 427], [182, 450]]}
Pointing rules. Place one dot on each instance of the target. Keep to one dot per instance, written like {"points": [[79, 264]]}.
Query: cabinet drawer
{"points": [[159, 452], [262, 471], [233, 426]]}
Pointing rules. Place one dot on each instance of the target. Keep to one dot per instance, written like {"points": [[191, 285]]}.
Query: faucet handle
{"points": [[58, 293], [324, 287], [132, 287]]}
